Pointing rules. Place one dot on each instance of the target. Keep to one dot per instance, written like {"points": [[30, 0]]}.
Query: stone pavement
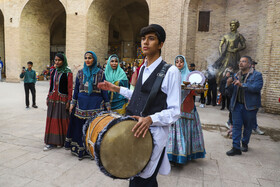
{"points": [[24, 163]]}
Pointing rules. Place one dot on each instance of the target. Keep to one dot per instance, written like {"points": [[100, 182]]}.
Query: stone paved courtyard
{"points": [[24, 163]]}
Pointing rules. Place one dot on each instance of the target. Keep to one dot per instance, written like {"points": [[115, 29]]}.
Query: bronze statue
{"points": [[230, 57]]}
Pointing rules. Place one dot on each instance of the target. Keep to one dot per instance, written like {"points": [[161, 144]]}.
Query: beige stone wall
{"points": [[258, 21], [36, 22], [246, 13], [30, 26], [202, 47], [271, 58], [124, 20], [207, 43]]}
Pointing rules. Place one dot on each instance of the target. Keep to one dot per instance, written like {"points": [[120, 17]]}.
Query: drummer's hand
{"points": [[142, 126], [108, 86]]}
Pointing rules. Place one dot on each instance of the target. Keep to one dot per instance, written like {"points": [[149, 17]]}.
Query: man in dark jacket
{"points": [[212, 90], [222, 90], [245, 102]]}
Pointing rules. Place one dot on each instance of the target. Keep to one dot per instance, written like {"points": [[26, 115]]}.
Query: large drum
{"points": [[119, 154]]}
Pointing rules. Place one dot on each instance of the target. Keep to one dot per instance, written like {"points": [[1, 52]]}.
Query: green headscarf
{"points": [[64, 68], [114, 75]]}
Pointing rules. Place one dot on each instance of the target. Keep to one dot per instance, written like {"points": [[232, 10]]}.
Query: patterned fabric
{"points": [[86, 106], [74, 140], [57, 114], [117, 101], [185, 139]]}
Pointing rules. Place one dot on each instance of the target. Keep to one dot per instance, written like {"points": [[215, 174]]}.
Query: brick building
{"points": [[36, 29]]}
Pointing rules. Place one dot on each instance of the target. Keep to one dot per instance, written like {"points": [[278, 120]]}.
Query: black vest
{"points": [[141, 93], [63, 83]]}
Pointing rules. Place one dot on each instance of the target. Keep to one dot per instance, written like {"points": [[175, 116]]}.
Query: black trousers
{"points": [[31, 87], [202, 98], [149, 182], [212, 95], [225, 101]]}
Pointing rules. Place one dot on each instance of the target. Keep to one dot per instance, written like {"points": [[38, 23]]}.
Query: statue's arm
{"points": [[242, 43], [221, 45]]}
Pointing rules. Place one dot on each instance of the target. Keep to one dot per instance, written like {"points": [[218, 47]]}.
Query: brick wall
{"points": [[271, 58], [36, 21], [27, 36]]}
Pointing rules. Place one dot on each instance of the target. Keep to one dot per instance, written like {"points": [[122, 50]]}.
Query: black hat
{"points": [[192, 65]]}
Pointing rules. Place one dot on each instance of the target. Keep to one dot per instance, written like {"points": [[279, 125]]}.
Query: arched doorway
{"points": [[2, 44], [58, 35], [114, 26], [42, 32]]}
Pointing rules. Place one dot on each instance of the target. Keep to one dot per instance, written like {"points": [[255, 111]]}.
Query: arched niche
{"points": [[116, 24], [42, 25]]}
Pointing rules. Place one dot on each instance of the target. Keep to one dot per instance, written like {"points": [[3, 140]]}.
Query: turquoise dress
{"points": [[117, 101], [185, 139]]}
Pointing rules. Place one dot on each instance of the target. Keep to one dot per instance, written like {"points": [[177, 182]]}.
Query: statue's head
{"points": [[234, 24]]}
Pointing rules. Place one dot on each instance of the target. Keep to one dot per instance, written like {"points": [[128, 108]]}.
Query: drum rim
{"points": [[86, 126], [98, 144]]}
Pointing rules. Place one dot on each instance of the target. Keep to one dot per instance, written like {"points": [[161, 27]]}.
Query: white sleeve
{"points": [[171, 86], [126, 92]]}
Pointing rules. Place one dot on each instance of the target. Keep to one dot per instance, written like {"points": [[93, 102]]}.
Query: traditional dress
{"points": [[60, 93], [185, 139], [119, 78], [88, 101]]}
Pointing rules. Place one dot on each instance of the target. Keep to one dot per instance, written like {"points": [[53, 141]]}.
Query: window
{"points": [[204, 21], [116, 34]]}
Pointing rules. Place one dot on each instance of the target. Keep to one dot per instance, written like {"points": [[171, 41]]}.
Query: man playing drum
{"points": [[164, 108]]}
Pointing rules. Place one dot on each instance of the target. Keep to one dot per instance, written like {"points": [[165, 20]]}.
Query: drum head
{"points": [[121, 154]]}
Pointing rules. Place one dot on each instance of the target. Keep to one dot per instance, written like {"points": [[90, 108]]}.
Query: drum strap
{"points": [[156, 88]]}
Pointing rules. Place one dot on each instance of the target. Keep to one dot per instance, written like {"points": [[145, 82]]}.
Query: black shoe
{"points": [[34, 106], [233, 152], [222, 109], [207, 103], [244, 147], [214, 104]]}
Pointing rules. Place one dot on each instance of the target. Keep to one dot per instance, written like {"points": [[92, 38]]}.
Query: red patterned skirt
{"points": [[57, 123]]}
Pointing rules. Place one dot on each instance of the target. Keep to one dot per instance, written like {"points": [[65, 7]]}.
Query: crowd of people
{"points": [[172, 117]]}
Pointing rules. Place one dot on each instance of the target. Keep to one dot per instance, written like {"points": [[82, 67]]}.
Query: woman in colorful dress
{"points": [[87, 101], [185, 140], [116, 75], [58, 102]]}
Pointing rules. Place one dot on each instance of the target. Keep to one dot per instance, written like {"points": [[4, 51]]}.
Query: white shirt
{"points": [[171, 86]]}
